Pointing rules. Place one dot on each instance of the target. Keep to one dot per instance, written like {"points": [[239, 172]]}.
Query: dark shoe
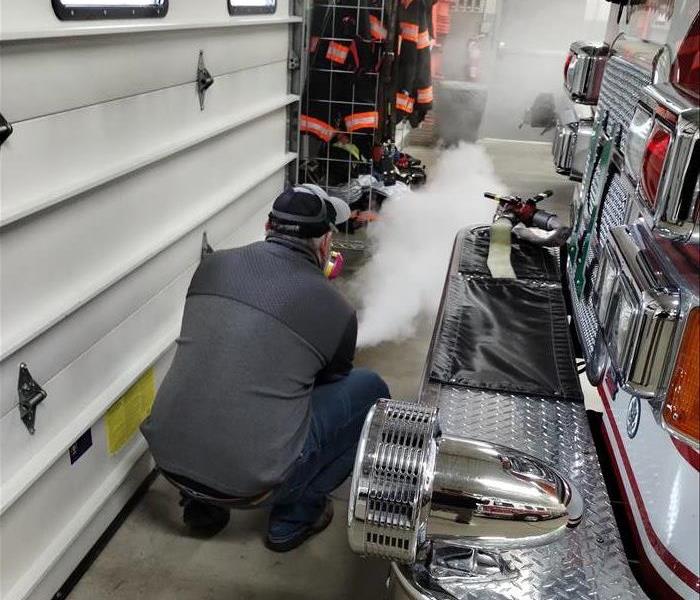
{"points": [[297, 538], [203, 520]]}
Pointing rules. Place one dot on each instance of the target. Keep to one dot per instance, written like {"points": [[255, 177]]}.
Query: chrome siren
{"points": [[412, 485]]}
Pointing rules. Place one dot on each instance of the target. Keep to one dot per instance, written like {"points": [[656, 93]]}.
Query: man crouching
{"points": [[261, 405]]}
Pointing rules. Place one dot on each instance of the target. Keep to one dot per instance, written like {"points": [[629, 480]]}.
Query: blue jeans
{"points": [[338, 412]]}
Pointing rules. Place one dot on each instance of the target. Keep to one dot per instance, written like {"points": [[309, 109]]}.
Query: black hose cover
{"points": [[506, 335]]}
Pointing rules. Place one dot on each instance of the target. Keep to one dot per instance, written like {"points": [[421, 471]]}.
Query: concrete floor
{"points": [[151, 557]]}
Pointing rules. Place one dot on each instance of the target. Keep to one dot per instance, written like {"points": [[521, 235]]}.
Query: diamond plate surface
{"points": [[589, 562]]}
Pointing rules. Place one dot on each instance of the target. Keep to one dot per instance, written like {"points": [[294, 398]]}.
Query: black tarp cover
{"points": [[506, 335]]}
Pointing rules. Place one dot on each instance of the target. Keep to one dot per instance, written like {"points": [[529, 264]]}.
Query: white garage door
{"points": [[111, 175]]}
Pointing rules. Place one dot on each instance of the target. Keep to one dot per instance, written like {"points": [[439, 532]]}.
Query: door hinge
{"points": [[31, 395], [204, 79], [5, 129], [293, 62], [206, 247]]}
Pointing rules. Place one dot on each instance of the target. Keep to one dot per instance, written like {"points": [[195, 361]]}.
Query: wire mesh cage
{"points": [[341, 97]]}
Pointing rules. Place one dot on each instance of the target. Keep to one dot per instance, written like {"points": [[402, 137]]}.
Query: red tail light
{"points": [[653, 161], [685, 71], [567, 63]]}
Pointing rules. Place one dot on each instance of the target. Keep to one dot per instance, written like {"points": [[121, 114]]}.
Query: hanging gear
{"points": [[344, 53], [414, 92]]}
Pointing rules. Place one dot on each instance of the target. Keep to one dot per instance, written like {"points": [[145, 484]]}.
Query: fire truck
{"points": [[627, 286], [633, 270]]}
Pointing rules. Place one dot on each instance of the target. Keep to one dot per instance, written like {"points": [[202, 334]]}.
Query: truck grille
{"points": [[620, 90], [586, 320], [619, 93], [613, 213]]}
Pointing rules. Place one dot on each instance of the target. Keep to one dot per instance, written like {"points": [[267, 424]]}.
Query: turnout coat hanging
{"points": [[414, 90]]}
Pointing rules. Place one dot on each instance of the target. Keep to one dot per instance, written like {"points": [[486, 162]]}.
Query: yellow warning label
{"points": [[126, 414]]}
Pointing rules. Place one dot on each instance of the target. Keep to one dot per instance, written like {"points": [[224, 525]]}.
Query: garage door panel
{"points": [[83, 246], [50, 76], [58, 506], [44, 523], [35, 19], [70, 152], [112, 174], [83, 389], [62, 344]]}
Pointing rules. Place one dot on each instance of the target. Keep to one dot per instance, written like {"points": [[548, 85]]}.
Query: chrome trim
{"points": [[680, 436], [585, 73], [572, 140], [563, 145], [640, 353], [642, 53], [450, 564], [598, 363], [678, 196], [638, 132], [584, 135], [633, 417]]}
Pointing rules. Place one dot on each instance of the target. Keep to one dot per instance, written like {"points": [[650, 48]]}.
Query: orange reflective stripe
{"points": [[364, 120], [317, 127], [425, 95], [404, 102], [423, 40], [337, 52], [376, 29], [409, 31]]}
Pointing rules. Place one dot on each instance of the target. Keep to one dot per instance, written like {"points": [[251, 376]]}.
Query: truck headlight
{"points": [[412, 485]]}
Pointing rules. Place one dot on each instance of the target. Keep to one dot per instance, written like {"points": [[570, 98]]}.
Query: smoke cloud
{"points": [[411, 244]]}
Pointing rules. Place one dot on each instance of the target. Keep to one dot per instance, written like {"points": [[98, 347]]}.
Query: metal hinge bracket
{"points": [[204, 79], [31, 394], [5, 129], [293, 62], [206, 247]]}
